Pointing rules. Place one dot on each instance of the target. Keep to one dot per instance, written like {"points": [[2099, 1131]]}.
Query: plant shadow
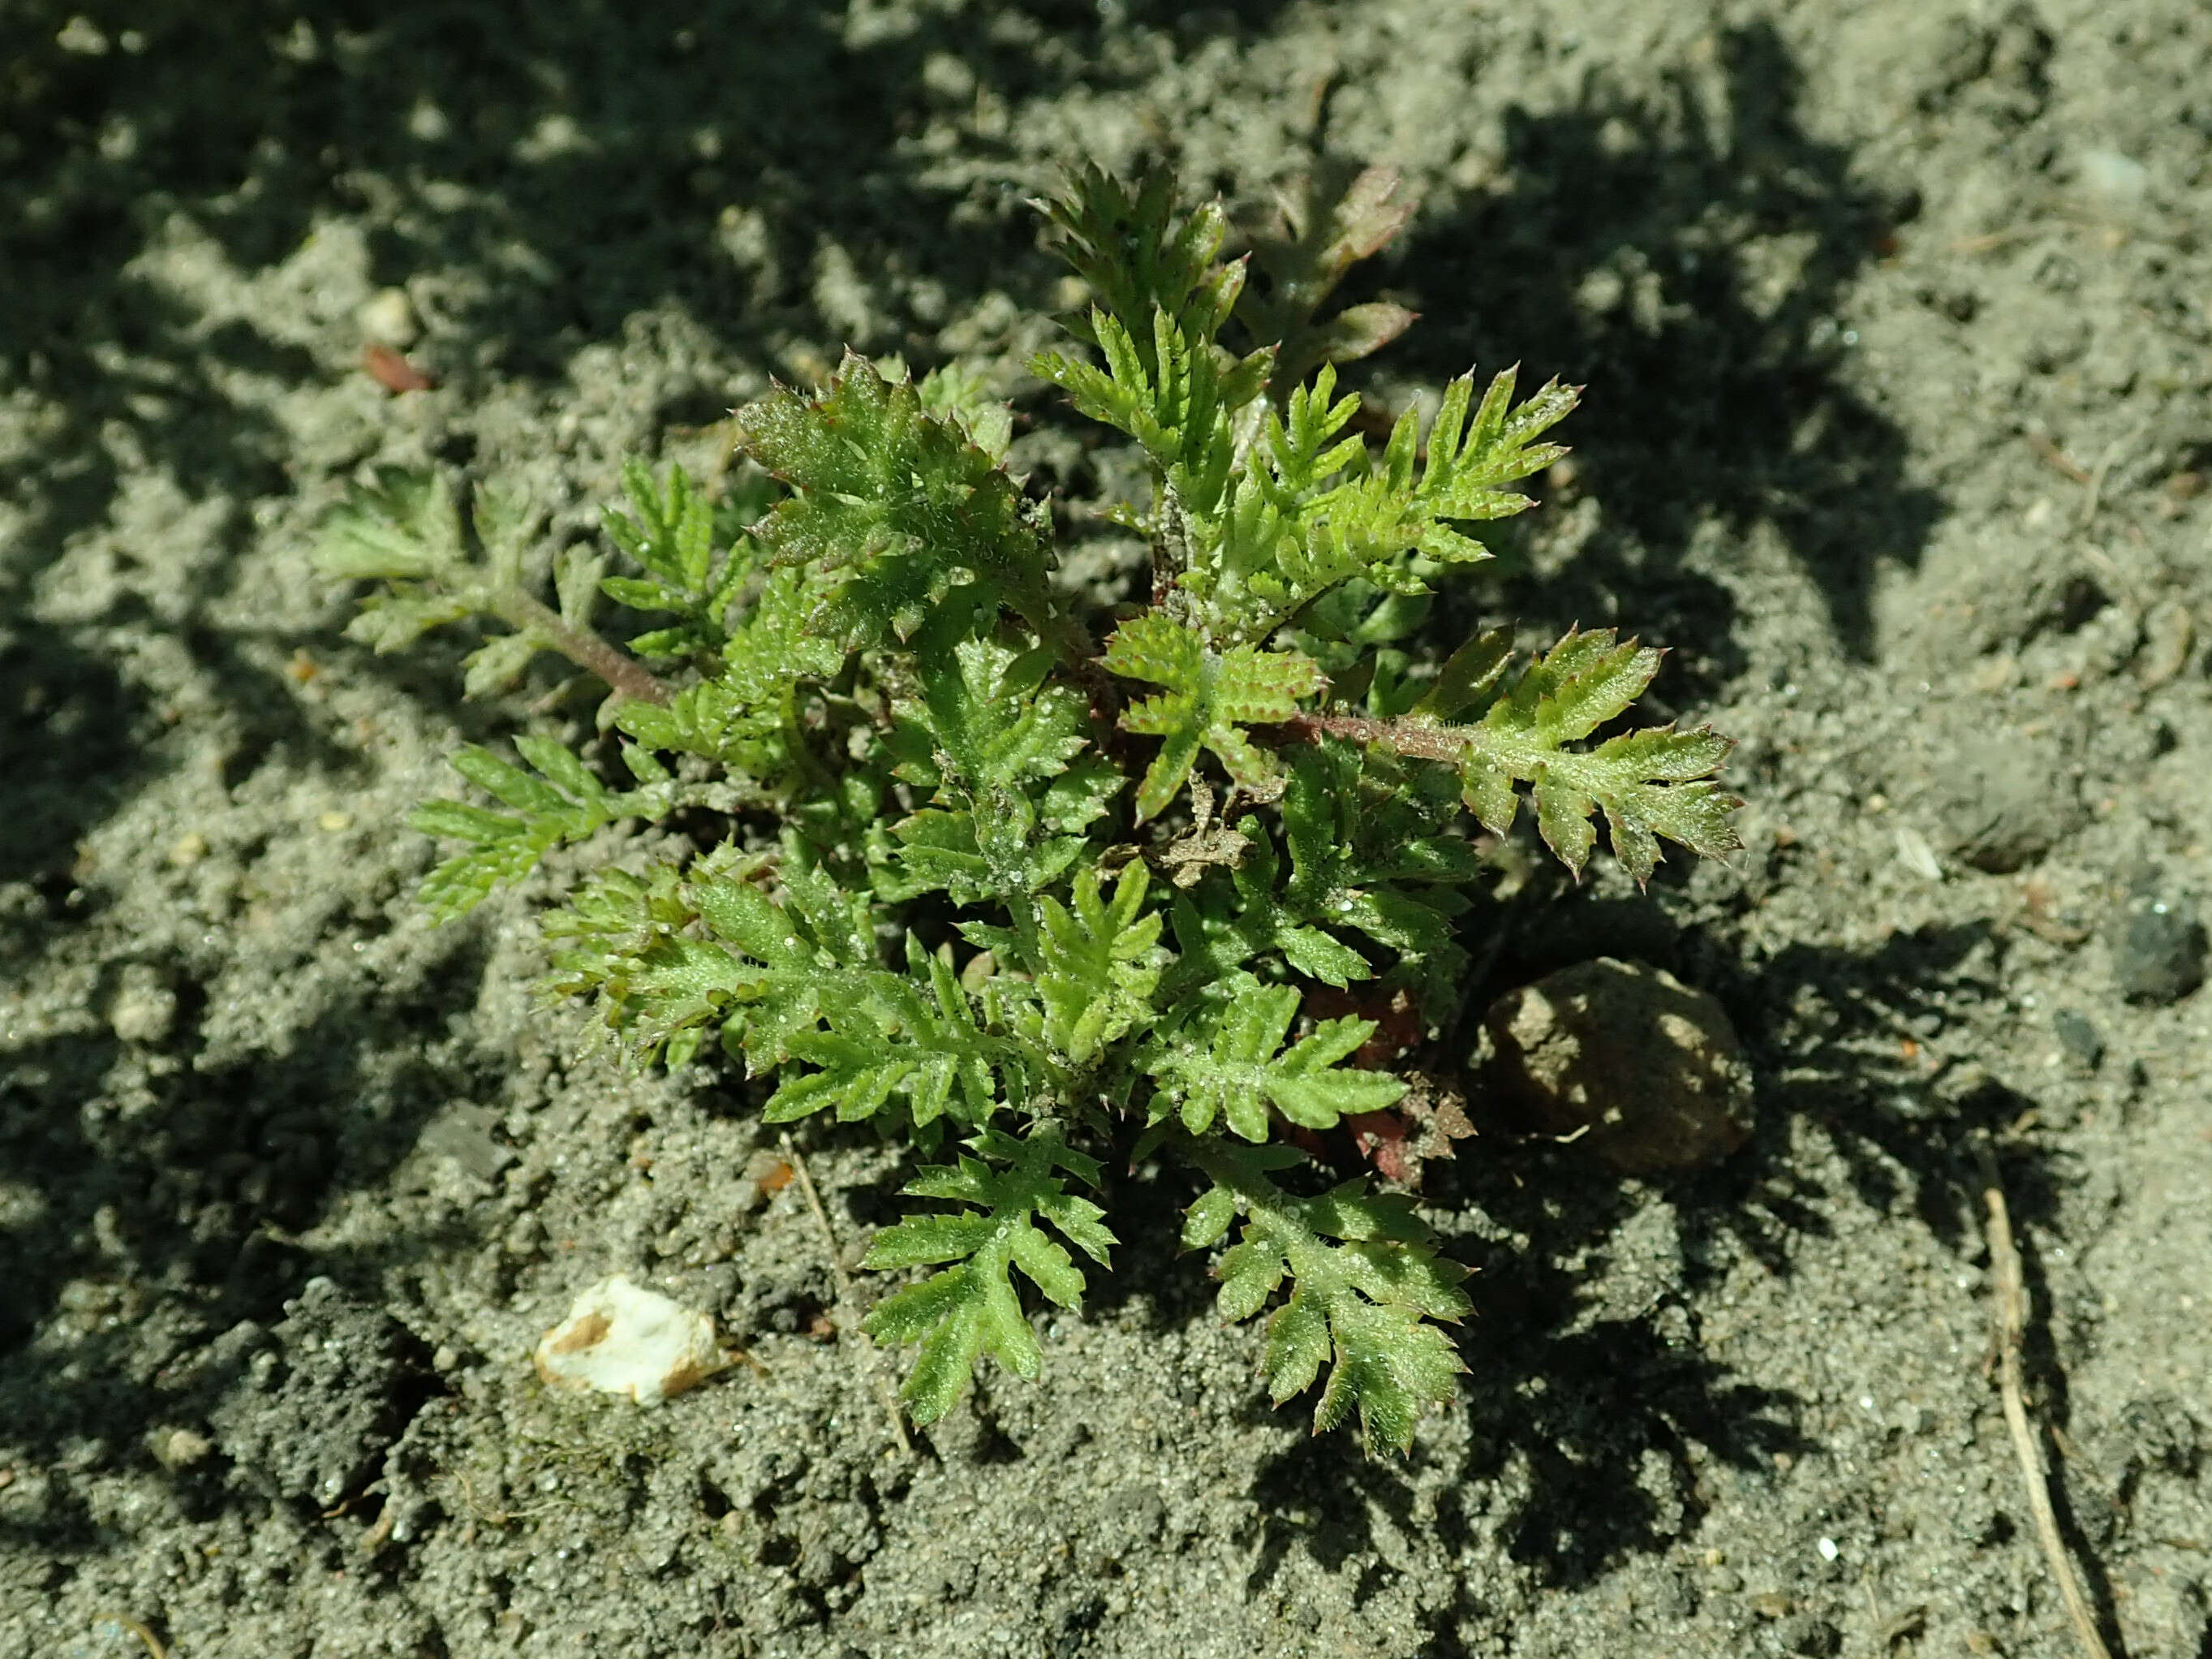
{"points": [[1645, 237], [1604, 1414]]}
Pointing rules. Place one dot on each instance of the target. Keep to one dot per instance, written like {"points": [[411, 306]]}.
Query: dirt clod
{"points": [[2007, 801], [326, 1393], [1646, 1070]]}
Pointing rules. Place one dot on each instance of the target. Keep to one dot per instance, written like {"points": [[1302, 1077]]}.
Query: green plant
{"points": [[1003, 889]]}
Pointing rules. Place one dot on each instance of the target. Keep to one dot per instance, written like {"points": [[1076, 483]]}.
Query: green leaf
{"points": [[971, 1310], [1209, 1219], [506, 523], [1179, 399], [1366, 853], [913, 1037], [564, 804], [796, 988], [986, 721], [405, 531], [956, 392], [1100, 962], [1649, 784], [1141, 258], [1227, 1066], [498, 664], [393, 620], [747, 717], [669, 534], [895, 505], [402, 528], [1366, 1283], [1469, 678], [1319, 510], [1210, 694], [994, 743]]}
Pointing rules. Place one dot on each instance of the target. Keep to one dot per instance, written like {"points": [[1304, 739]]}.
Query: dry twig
{"points": [[2012, 1329], [2057, 459], [844, 1320], [154, 1644]]}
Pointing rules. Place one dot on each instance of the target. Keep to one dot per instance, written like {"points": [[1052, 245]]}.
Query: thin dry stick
{"points": [[2057, 459], [2012, 1329], [2097, 476], [153, 1643], [845, 1294]]}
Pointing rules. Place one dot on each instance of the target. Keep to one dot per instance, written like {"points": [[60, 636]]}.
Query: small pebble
{"points": [[82, 38], [2081, 1040], [2006, 800], [1639, 1069], [2169, 632], [2157, 943], [145, 1007], [1914, 853], [2119, 181], [179, 1450]]}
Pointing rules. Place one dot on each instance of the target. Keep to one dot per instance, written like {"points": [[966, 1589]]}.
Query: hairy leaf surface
{"points": [[1648, 783], [971, 1309], [1227, 1066], [1210, 696], [1366, 1285]]}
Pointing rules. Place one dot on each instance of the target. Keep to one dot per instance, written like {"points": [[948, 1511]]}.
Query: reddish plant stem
{"points": [[1417, 738], [585, 649]]}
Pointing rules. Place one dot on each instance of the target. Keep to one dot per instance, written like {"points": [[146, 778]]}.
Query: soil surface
{"points": [[1894, 317]]}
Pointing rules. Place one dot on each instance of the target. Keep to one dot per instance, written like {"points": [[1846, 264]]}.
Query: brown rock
{"points": [[1647, 1070]]}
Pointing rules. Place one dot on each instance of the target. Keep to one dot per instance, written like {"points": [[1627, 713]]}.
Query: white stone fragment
{"points": [[388, 317], [620, 1338]]}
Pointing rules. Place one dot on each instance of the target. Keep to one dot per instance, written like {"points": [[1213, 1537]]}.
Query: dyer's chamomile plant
{"points": [[1029, 884]]}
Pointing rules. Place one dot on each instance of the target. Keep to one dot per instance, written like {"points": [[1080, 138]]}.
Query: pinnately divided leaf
{"points": [[1141, 256], [985, 720], [1179, 400], [1227, 1065], [745, 717], [563, 802], [1100, 962], [1406, 503], [971, 1309], [1649, 783], [896, 503], [1210, 694], [891, 1035], [1320, 510], [1366, 1284], [669, 534], [1321, 238]]}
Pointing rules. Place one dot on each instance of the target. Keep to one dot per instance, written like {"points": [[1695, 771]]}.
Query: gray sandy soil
{"points": [[1895, 316]]}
